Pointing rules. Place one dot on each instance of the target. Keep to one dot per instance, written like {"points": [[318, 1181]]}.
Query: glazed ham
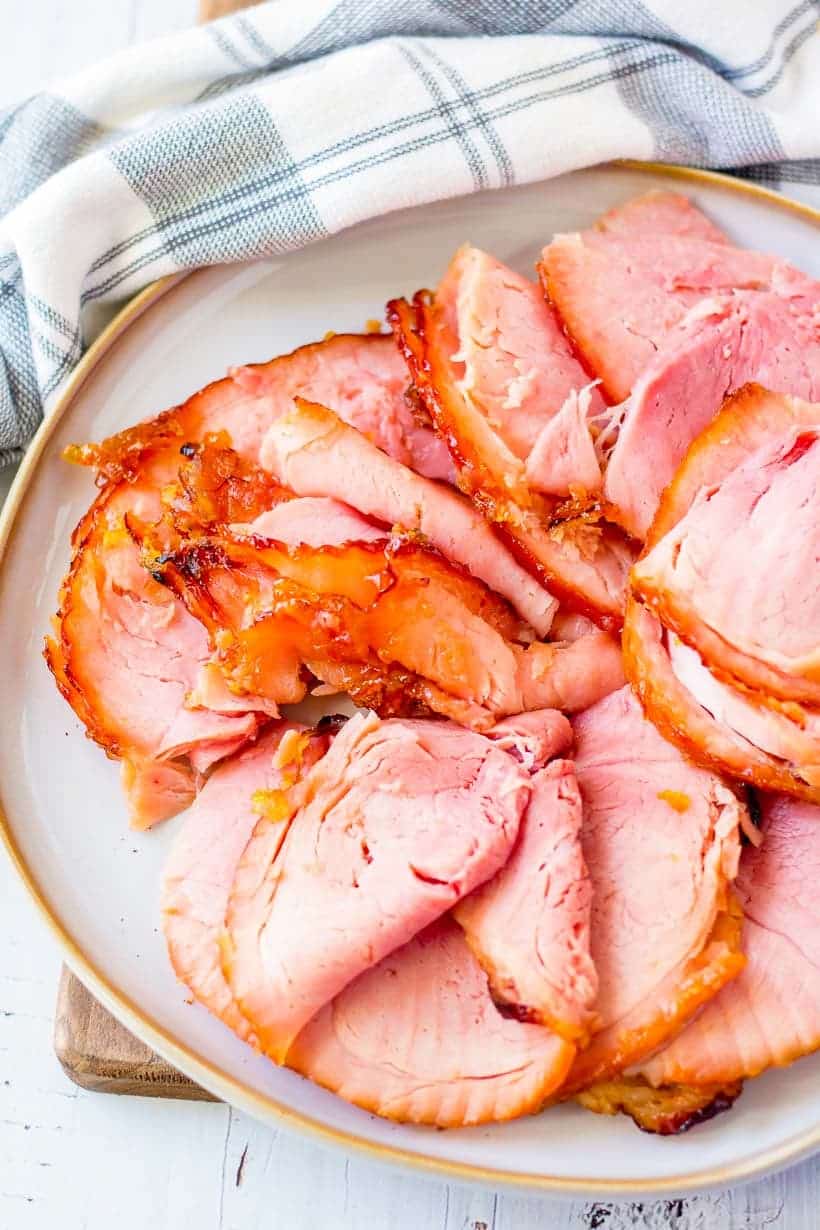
{"points": [[516, 424], [312, 451], [727, 563], [418, 1039], [622, 286], [278, 613], [517, 366], [360, 376], [734, 679], [200, 869], [529, 925], [126, 654], [660, 840], [770, 1014], [129, 658], [390, 829], [719, 346], [711, 733]]}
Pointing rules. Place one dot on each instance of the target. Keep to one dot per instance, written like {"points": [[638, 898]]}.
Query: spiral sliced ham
{"points": [[275, 611], [660, 840], [721, 344], [529, 925], [770, 1014], [202, 864], [316, 454], [126, 654], [674, 708], [622, 286], [480, 403], [418, 1039], [729, 565], [392, 827]]}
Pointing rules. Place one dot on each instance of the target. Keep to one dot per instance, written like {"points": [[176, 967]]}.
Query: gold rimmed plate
{"points": [[63, 819]]}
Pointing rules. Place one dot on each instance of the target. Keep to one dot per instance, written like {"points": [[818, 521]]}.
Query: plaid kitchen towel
{"points": [[280, 126]]}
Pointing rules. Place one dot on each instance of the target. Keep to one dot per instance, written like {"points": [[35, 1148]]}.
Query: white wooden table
{"points": [[85, 1161]]}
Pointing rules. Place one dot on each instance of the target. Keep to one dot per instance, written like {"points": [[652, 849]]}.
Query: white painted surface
{"points": [[87, 1162]]}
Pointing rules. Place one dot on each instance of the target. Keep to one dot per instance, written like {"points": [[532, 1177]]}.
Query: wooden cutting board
{"points": [[100, 1054], [94, 1049]]}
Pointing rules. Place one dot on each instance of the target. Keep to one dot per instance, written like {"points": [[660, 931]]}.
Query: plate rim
{"points": [[218, 1082]]}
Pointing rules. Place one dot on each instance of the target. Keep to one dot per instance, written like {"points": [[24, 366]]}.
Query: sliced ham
{"points": [[360, 376], [529, 925], [200, 869], [392, 827], [731, 559], [419, 1040], [273, 610], [719, 346], [660, 840], [126, 654], [128, 658], [581, 559], [516, 366], [770, 1014], [622, 286], [316, 454], [564, 460], [704, 736]]}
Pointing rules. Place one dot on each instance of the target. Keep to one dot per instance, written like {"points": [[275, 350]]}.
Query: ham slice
{"points": [[727, 562], [702, 734], [622, 286], [392, 827], [418, 1039], [126, 654], [770, 1014], [316, 454], [360, 376], [273, 610], [719, 346], [660, 840], [517, 366], [203, 860], [581, 559], [529, 925]]}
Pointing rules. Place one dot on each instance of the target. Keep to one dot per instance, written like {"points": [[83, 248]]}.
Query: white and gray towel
{"points": [[269, 130]]}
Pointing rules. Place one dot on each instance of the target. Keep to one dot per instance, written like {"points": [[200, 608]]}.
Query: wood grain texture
{"points": [[99, 1053], [209, 10]]}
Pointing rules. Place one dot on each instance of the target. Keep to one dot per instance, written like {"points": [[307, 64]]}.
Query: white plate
{"points": [[98, 882]]}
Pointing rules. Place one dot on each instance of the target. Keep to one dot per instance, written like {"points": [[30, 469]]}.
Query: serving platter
{"points": [[63, 818]]}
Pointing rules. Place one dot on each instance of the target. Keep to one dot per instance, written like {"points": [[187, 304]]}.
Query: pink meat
{"points": [[317, 522], [788, 734], [533, 738], [563, 460], [702, 735], [529, 925], [397, 823], [660, 840], [362, 379], [200, 869], [314, 453], [720, 345], [418, 1039], [770, 1014], [742, 561], [129, 658], [622, 286], [517, 366]]}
